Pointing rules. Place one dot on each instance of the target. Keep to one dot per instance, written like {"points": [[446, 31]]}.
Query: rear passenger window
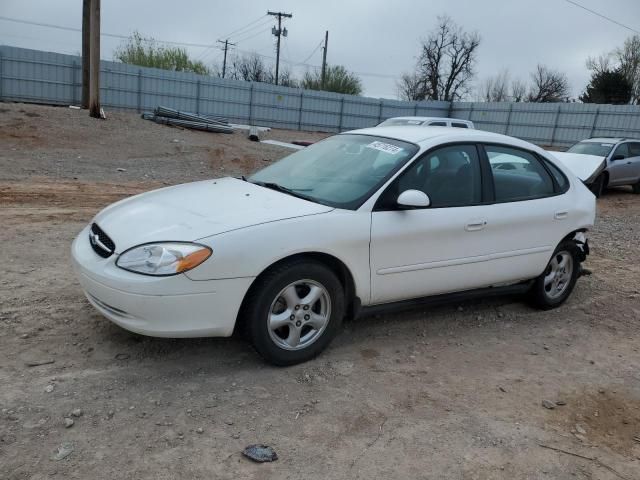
{"points": [[517, 175], [438, 124], [561, 180], [459, 125], [634, 149]]}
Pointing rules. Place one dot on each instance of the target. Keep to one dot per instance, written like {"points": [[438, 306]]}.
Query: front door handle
{"points": [[561, 215], [475, 225]]}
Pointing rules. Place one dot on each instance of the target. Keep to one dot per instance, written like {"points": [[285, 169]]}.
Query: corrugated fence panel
{"points": [[397, 108], [53, 78]]}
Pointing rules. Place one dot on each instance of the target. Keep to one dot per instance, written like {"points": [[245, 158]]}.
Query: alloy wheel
{"points": [[299, 314]]}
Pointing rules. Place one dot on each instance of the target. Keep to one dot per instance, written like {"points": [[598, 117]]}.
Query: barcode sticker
{"points": [[385, 147]]}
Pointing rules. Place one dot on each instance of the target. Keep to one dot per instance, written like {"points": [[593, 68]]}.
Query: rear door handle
{"points": [[561, 215], [475, 225]]}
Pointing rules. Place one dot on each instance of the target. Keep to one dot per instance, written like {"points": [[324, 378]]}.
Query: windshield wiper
{"points": [[290, 191]]}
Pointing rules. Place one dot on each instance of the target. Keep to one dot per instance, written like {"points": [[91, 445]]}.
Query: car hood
{"points": [[585, 167], [196, 210]]}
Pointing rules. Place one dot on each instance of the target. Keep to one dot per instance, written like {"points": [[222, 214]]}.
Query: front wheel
{"points": [[293, 311], [636, 187], [556, 283]]}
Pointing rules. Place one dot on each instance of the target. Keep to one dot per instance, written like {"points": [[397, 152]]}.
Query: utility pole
{"points": [[278, 32], [324, 59], [224, 62], [94, 72], [86, 4]]}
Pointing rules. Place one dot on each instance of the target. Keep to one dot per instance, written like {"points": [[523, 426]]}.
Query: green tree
{"points": [[337, 79], [608, 86], [144, 52]]}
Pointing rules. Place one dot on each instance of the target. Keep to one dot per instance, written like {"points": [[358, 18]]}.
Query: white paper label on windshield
{"points": [[385, 147]]}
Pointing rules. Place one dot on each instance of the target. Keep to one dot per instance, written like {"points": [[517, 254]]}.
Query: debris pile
{"points": [[207, 123]]}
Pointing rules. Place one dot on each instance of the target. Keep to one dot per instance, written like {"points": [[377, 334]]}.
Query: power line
{"points": [[253, 35], [185, 44], [245, 30], [312, 53], [247, 25], [602, 16], [103, 34]]}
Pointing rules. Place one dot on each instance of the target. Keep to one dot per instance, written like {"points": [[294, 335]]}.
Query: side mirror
{"points": [[617, 156], [413, 199]]}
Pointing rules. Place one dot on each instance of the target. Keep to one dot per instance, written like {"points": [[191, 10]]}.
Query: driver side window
{"points": [[450, 176], [623, 150]]}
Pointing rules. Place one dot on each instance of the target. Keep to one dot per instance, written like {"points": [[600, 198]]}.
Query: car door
{"points": [[528, 215], [621, 168], [437, 249], [634, 158]]}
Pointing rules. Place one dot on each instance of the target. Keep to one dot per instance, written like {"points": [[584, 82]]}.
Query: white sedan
{"points": [[362, 220]]}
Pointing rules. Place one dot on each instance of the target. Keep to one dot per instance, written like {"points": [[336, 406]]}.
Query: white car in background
{"points": [[426, 122], [367, 219]]}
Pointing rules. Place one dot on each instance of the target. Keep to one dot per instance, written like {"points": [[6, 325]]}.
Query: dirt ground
{"points": [[453, 392]]}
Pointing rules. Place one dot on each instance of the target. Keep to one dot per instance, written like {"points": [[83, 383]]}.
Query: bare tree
{"points": [[629, 58], [599, 64], [251, 68], [410, 87], [445, 66], [518, 90], [548, 86], [495, 88]]}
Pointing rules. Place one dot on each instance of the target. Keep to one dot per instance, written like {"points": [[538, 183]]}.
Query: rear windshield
{"points": [[592, 148]]}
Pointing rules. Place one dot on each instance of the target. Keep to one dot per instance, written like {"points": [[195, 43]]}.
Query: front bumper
{"points": [[157, 306]]}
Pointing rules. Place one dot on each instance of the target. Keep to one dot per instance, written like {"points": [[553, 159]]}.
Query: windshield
{"points": [[341, 171], [592, 148], [394, 122]]}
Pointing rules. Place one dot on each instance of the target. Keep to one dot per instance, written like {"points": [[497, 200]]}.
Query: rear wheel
{"points": [[294, 311], [557, 281], [636, 187]]}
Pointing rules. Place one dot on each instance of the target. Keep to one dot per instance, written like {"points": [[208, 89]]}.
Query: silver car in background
{"points": [[426, 122], [621, 162]]}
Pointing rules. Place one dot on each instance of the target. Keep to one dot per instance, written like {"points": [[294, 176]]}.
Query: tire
{"points": [[556, 282], [598, 185], [636, 187], [285, 325]]}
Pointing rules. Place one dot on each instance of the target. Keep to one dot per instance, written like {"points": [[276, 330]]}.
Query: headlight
{"points": [[163, 259]]}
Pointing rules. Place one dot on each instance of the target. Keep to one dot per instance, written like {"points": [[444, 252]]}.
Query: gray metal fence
{"points": [[53, 78]]}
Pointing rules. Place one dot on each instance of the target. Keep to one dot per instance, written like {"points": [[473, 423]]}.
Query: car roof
{"points": [[427, 119], [419, 134], [603, 140]]}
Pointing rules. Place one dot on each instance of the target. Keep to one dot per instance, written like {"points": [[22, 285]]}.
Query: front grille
{"points": [[100, 242]]}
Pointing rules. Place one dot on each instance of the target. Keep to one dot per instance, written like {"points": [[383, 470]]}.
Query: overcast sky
{"points": [[377, 38]]}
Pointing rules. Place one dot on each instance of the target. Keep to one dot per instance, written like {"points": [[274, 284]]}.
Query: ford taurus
{"points": [[361, 220]]}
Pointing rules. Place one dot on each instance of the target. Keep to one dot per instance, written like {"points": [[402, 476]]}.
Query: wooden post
{"points": [[139, 90], [86, 4], [595, 121], [94, 73], [555, 126], [506, 128]]}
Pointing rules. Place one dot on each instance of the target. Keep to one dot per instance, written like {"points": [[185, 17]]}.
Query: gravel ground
{"points": [[453, 392]]}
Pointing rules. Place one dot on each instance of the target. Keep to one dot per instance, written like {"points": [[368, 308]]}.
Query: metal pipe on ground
{"points": [[192, 117], [207, 127]]}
